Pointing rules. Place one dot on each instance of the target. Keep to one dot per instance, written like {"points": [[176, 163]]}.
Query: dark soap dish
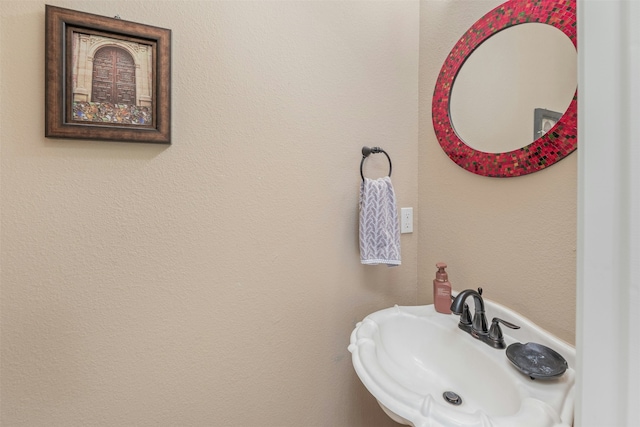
{"points": [[536, 360]]}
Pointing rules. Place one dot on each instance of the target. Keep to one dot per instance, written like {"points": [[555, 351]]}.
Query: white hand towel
{"points": [[379, 225]]}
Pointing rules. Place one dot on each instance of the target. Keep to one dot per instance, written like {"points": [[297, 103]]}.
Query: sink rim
{"points": [[409, 407]]}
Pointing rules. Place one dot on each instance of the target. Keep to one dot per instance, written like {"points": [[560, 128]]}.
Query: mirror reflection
{"points": [[516, 71]]}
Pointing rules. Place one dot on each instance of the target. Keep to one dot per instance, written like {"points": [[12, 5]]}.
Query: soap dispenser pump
{"points": [[442, 290]]}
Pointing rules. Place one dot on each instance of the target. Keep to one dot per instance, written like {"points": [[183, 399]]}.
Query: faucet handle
{"points": [[465, 317], [497, 320], [495, 333]]}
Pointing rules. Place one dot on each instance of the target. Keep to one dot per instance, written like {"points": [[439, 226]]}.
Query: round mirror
{"points": [[505, 100], [506, 79]]}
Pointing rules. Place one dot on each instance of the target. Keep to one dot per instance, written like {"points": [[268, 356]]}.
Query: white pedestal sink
{"points": [[408, 357]]}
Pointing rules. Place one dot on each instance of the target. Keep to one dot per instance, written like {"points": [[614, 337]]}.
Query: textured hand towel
{"points": [[379, 225]]}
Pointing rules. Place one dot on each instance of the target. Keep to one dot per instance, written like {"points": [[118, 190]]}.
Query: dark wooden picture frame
{"points": [[106, 79], [543, 121]]}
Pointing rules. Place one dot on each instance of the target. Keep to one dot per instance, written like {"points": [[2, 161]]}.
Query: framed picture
{"points": [[106, 79], [543, 121]]}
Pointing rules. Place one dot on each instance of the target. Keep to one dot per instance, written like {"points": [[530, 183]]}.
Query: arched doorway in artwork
{"points": [[114, 76]]}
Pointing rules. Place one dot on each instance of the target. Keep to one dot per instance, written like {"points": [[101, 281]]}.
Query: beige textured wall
{"points": [[213, 282], [216, 281], [514, 237]]}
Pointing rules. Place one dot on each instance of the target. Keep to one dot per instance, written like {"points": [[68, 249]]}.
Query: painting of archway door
{"points": [[111, 80]]}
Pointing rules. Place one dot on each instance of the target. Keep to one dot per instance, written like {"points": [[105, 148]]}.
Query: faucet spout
{"points": [[458, 301], [479, 325]]}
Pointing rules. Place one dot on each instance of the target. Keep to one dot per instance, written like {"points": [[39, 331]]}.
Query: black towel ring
{"points": [[373, 150]]}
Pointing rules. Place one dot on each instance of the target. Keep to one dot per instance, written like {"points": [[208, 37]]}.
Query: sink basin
{"points": [[409, 357]]}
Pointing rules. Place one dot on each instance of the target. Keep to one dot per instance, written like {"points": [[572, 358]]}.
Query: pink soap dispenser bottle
{"points": [[442, 290]]}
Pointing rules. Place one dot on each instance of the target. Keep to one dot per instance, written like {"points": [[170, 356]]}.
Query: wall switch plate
{"points": [[406, 220]]}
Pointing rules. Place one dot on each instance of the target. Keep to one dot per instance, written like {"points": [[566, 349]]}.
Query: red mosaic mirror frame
{"points": [[560, 141]]}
